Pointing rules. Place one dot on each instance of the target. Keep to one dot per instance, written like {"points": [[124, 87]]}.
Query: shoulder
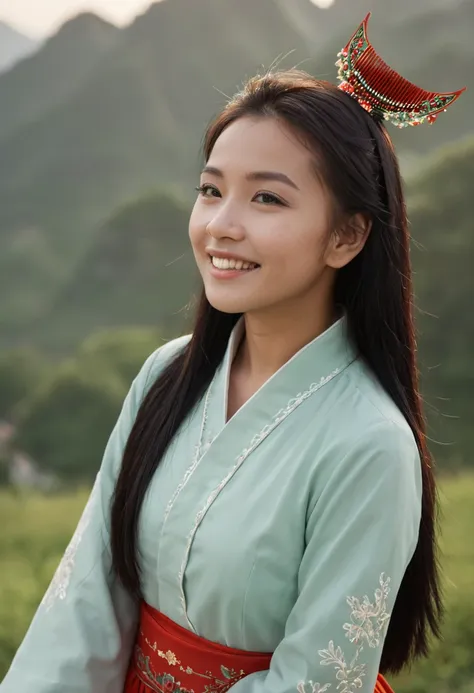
{"points": [[152, 369], [378, 460], [163, 356], [364, 429], [359, 446], [368, 412]]}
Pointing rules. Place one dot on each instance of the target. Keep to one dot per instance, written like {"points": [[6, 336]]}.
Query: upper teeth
{"points": [[230, 263]]}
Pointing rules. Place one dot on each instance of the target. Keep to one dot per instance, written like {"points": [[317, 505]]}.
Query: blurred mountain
{"points": [[135, 123], [14, 46], [321, 26], [41, 83], [439, 203], [100, 115], [148, 99], [140, 270]]}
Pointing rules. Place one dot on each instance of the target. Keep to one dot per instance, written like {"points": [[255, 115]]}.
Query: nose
{"points": [[224, 224]]}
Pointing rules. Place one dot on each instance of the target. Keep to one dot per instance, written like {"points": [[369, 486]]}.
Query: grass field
{"points": [[35, 530]]}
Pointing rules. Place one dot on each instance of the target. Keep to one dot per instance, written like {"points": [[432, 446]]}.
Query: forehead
{"points": [[261, 143]]}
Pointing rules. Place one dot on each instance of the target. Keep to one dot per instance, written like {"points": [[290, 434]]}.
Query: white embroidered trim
{"points": [[368, 623], [198, 455], [254, 443], [62, 577]]}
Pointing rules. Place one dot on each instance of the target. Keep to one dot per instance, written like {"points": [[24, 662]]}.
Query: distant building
{"points": [[21, 469]]}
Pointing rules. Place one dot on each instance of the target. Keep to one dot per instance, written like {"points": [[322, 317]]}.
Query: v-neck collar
{"points": [[331, 350]]}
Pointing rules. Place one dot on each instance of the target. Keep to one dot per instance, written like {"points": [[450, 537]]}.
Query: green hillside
{"points": [[139, 271], [443, 229]]}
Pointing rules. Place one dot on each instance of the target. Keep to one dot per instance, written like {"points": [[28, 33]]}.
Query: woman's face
{"points": [[260, 202]]}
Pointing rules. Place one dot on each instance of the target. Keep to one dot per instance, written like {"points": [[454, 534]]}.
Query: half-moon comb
{"points": [[381, 90]]}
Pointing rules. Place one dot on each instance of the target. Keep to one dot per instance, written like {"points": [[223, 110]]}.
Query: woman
{"points": [[264, 517]]}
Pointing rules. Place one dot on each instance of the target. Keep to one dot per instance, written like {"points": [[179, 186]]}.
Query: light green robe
{"points": [[287, 529]]}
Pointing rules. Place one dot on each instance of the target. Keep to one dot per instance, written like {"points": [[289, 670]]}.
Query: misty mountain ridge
{"points": [[14, 46], [34, 87]]}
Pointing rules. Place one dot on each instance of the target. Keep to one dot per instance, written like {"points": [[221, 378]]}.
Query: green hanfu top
{"points": [[286, 529]]}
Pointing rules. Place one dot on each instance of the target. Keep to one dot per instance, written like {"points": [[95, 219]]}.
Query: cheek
{"points": [[296, 249], [197, 229]]}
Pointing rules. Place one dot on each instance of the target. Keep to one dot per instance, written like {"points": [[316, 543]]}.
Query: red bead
{"points": [[345, 86], [360, 43], [432, 117]]}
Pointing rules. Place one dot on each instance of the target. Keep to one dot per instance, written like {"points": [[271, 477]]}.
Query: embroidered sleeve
{"points": [[83, 631], [59, 585], [366, 628], [361, 533]]}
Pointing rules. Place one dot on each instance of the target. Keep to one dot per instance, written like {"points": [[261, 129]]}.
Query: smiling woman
{"points": [[264, 517]]}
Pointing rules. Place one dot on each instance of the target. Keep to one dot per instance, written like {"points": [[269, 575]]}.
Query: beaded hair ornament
{"points": [[384, 93]]}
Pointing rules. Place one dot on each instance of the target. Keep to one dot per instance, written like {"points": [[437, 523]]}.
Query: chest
{"points": [[223, 526], [223, 529]]}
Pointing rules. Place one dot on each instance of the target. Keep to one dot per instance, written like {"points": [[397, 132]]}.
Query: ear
{"points": [[348, 240]]}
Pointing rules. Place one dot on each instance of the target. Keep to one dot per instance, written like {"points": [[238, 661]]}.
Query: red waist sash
{"points": [[171, 659]]}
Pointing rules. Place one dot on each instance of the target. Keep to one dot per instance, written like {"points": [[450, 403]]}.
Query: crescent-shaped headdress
{"points": [[381, 90]]}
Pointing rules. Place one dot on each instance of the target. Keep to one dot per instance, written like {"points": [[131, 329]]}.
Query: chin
{"points": [[229, 304], [230, 307]]}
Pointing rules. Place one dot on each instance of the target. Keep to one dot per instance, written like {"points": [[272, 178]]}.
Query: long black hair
{"points": [[355, 156]]}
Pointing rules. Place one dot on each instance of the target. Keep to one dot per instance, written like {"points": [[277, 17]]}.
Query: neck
{"points": [[272, 340]]}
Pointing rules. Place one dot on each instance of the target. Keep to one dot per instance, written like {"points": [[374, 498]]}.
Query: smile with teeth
{"points": [[224, 263]]}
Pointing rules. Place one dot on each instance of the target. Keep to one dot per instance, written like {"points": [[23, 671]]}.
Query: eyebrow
{"points": [[255, 175]]}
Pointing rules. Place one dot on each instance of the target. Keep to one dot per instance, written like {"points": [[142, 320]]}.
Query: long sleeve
{"points": [[82, 634], [362, 529]]}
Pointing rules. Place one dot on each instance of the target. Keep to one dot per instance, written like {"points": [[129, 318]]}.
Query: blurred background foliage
{"points": [[100, 129]]}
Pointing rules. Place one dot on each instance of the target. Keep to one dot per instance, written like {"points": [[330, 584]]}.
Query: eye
{"points": [[269, 199], [206, 190]]}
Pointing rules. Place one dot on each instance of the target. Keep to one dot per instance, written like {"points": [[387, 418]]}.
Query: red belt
{"points": [[171, 659]]}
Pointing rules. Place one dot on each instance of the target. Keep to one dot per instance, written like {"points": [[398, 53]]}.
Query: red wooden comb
{"points": [[381, 90]]}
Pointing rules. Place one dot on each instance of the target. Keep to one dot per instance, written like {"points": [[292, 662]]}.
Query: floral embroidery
{"points": [[369, 620], [314, 687], [254, 443], [368, 623], [62, 577], [165, 682], [169, 656]]}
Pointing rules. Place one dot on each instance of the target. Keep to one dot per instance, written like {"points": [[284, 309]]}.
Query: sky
{"points": [[39, 18]]}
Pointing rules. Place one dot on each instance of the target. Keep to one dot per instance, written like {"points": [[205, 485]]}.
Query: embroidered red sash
{"points": [[171, 659]]}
